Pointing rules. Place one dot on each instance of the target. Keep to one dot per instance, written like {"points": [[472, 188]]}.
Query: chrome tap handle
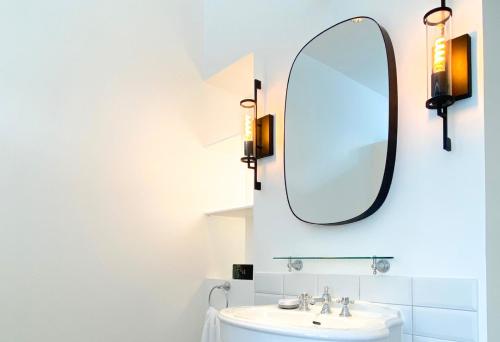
{"points": [[304, 301], [344, 300], [327, 298]]}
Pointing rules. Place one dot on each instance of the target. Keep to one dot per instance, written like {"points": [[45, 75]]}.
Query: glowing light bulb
{"points": [[439, 55], [439, 60], [248, 126]]}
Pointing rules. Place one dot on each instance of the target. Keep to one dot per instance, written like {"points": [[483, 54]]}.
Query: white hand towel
{"points": [[211, 329]]}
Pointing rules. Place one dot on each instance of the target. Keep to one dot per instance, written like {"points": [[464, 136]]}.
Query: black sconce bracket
{"points": [[443, 112], [265, 136], [461, 67], [263, 143]]}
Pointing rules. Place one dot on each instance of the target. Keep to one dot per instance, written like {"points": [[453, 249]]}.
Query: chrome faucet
{"points": [[304, 301], [327, 301], [345, 301]]}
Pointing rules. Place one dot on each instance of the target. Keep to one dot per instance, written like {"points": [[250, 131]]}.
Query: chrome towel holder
{"points": [[226, 286]]}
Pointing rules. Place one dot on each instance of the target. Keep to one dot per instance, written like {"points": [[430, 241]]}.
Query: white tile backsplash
{"points": [[271, 283], [427, 339], [433, 309], [340, 285], [453, 325], [266, 299], [460, 294], [386, 289], [297, 283], [407, 338], [241, 293]]}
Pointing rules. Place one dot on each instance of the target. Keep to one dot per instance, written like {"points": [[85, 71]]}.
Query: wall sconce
{"points": [[448, 65], [258, 137]]}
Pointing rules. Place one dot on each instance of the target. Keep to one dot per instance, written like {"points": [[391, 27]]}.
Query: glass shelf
{"points": [[334, 258], [379, 263]]}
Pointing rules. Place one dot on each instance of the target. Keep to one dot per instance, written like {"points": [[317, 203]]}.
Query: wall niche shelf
{"points": [[238, 211], [379, 263]]}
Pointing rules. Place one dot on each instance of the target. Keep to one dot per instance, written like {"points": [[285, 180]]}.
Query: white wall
{"points": [[491, 10], [226, 245], [436, 201], [433, 220], [100, 231], [228, 182], [102, 108]]}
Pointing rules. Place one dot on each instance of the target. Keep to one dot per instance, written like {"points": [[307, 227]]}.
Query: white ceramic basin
{"points": [[369, 322]]}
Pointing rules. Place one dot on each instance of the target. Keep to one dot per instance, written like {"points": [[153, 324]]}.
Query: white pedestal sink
{"points": [[369, 322]]}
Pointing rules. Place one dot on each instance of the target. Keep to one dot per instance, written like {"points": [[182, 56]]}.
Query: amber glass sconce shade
{"points": [[258, 133], [448, 65]]}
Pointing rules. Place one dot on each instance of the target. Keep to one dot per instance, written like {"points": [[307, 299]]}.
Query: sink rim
{"points": [[370, 333]]}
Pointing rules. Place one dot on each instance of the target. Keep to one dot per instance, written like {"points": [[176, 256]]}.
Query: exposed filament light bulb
{"points": [[439, 55], [439, 51], [248, 126], [439, 86], [248, 106]]}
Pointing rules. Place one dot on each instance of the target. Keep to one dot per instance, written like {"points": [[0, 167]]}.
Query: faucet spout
{"points": [[326, 309], [327, 301], [345, 301]]}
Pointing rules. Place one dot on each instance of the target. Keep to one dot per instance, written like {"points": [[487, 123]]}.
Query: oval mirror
{"points": [[341, 124]]}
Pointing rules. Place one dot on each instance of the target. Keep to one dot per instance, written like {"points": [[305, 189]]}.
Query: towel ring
{"points": [[225, 287]]}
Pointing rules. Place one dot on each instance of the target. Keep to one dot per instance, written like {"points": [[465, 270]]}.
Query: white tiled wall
{"points": [[427, 339], [382, 289], [453, 325], [339, 285], [433, 309], [297, 283], [459, 294], [270, 283], [266, 299]]}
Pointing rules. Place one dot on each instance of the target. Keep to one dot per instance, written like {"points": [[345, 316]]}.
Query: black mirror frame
{"points": [[392, 132]]}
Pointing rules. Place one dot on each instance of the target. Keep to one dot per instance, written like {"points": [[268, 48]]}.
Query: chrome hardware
{"points": [[304, 301], [326, 310], [345, 301], [326, 295], [380, 265], [316, 300], [226, 286], [294, 265], [327, 301]]}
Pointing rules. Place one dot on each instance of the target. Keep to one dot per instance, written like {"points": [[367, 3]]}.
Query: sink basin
{"points": [[369, 322]]}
